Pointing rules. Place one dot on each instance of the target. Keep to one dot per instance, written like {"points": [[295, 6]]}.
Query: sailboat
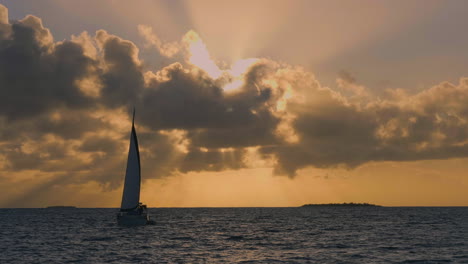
{"points": [[132, 212]]}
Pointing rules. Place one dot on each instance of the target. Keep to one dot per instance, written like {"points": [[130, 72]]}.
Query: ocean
{"points": [[238, 235]]}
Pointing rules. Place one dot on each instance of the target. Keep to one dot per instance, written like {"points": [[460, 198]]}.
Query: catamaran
{"points": [[132, 212]]}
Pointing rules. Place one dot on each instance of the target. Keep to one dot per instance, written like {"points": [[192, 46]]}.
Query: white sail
{"points": [[131, 192]]}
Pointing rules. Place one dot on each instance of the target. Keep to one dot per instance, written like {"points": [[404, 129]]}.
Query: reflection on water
{"points": [[224, 235]]}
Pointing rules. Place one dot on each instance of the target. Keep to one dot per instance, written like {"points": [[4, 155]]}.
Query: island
{"points": [[342, 205], [61, 207]]}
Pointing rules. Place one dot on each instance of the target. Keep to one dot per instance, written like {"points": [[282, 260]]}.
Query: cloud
{"points": [[122, 76], [65, 105], [333, 131], [38, 74], [3, 15]]}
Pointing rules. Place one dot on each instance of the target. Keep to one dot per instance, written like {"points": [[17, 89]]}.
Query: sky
{"points": [[238, 103]]}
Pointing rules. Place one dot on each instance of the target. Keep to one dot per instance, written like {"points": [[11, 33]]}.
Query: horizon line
{"points": [[201, 207]]}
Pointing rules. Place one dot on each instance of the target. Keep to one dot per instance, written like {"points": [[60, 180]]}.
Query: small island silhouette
{"points": [[342, 205], [60, 207]]}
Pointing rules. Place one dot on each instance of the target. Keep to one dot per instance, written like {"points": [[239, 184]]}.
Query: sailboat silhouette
{"points": [[132, 212]]}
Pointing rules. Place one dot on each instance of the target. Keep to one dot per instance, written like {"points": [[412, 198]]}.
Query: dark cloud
{"points": [[214, 119], [37, 75], [63, 123], [64, 110], [428, 125], [99, 144], [122, 77], [209, 160], [185, 101], [161, 153]]}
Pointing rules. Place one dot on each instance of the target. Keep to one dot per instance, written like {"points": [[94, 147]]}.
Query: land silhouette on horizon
{"points": [[342, 205], [61, 207]]}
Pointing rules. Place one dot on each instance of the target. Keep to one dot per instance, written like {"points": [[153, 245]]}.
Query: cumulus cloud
{"points": [[64, 111], [333, 131], [38, 74]]}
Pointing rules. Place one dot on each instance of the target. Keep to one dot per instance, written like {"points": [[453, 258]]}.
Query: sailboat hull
{"points": [[132, 219]]}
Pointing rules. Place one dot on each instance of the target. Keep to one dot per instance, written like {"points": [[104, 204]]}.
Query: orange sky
{"points": [[423, 183]]}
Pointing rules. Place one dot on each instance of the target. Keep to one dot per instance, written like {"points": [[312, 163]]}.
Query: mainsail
{"points": [[131, 192]]}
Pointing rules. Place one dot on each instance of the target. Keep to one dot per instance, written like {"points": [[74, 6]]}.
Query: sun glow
{"points": [[199, 55]]}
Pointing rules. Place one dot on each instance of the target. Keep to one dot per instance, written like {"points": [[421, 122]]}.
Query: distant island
{"points": [[60, 207], [342, 205]]}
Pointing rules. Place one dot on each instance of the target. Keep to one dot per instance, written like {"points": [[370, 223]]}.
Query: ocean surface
{"points": [[238, 235]]}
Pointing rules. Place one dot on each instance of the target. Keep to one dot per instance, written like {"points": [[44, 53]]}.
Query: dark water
{"points": [[237, 235]]}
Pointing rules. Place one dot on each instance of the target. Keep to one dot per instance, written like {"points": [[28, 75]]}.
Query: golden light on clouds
{"points": [[178, 138], [236, 73], [89, 86]]}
